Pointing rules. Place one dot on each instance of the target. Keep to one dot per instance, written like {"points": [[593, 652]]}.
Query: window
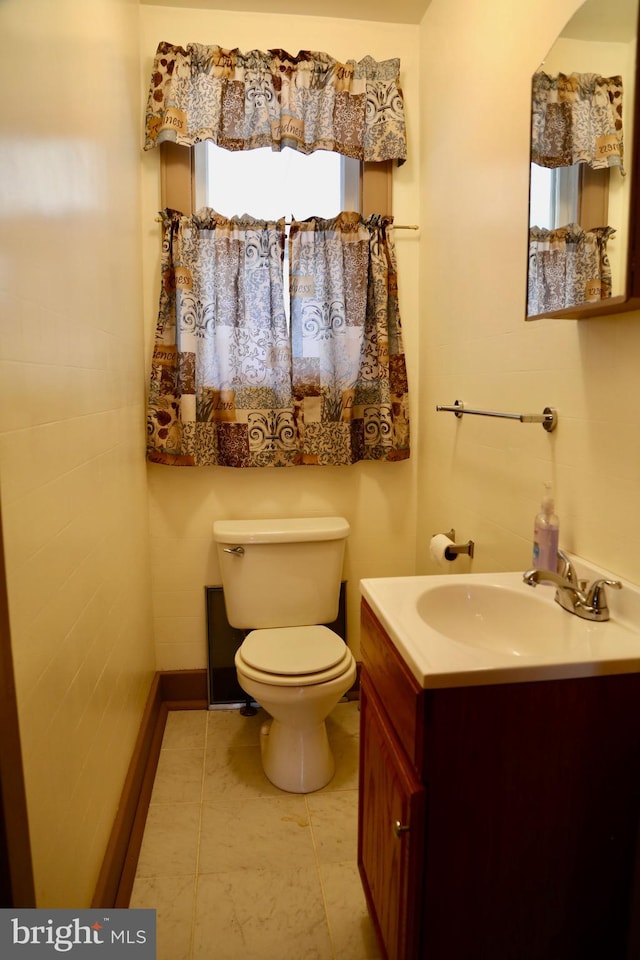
{"points": [[234, 183], [366, 186], [231, 385], [267, 184]]}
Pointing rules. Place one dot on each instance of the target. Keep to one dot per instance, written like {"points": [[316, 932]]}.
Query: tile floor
{"points": [[239, 870]]}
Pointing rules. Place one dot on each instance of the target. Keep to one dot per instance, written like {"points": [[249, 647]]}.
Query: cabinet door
{"points": [[391, 831]]}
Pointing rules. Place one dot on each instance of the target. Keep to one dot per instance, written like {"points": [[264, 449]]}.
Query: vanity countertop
{"points": [[457, 630]]}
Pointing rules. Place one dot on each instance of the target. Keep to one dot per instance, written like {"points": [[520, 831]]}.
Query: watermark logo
{"points": [[78, 934]]}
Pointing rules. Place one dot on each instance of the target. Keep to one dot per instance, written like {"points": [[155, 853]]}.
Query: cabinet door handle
{"points": [[400, 828]]}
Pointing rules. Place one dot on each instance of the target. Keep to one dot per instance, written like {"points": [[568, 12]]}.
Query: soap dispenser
{"points": [[545, 533]]}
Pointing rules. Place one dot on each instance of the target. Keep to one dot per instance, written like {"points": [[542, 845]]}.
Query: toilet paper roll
{"points": [[437, 547]]}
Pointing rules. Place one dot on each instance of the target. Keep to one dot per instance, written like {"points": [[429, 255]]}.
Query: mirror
{"points": [[586, 177]]}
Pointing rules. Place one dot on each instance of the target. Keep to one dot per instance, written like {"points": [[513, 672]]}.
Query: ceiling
{"points": [[388, 11]]}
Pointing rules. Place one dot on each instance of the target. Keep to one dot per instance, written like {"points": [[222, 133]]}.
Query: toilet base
{"points": [[298, 760]]}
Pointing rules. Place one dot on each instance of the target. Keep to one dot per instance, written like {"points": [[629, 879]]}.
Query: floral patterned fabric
{"points": [[220, 390], [246, 100], [577, 118], [225, 389], [349, 372], [567, 266]]}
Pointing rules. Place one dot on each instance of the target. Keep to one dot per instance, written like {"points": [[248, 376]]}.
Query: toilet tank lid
{"points": [[290, 530]]}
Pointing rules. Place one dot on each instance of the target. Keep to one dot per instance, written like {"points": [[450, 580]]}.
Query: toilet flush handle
{"points": [[236, 551]]}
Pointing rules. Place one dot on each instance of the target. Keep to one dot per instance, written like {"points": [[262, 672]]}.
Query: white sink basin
{"points": [[471, 629], [492, 617]]}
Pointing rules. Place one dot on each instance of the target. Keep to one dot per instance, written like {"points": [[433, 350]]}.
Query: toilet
{"points": [[281, 581]]}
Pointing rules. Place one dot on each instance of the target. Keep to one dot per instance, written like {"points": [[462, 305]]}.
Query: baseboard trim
{"points": [[169, 690], [184, 689]]}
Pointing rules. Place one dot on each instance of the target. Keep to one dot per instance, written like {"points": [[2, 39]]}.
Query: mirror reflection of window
{"points": [[600, 39], [555, 195]]}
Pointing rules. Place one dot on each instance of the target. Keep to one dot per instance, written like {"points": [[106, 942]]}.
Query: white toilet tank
{"points": [[281, 573]]}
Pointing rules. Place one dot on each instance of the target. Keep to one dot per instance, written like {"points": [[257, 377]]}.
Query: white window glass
{"points": [[270, 185]]}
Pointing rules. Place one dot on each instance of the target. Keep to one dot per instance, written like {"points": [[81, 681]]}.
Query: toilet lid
{"points": [[293, 651]]}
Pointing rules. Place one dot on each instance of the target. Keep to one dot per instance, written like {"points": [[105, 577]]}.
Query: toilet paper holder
{"points": [[457, 548]]}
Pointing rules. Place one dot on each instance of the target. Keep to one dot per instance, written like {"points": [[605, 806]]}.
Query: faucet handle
{"points": [[565, 568], [596, 597]]}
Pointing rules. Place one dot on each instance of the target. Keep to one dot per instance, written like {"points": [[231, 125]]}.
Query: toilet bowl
{"points": [[281, 580], [294, 746]]}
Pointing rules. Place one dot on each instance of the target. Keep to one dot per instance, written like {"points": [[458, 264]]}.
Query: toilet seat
{"points": [[293, 656]]}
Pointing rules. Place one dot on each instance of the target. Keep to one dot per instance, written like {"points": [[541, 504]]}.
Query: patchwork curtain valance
{"points": [[577, 118], [272, 99], [567, 266]]}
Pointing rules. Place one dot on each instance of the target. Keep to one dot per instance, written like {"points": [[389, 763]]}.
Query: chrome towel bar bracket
{"points": [[548, 418]]}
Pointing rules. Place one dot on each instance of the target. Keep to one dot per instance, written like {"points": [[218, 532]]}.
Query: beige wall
{"points": [[485, 476], [377, 499], [73, 366], [72, 420]]}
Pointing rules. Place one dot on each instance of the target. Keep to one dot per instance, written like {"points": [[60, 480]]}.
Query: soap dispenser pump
{"points": [[545, 533]]}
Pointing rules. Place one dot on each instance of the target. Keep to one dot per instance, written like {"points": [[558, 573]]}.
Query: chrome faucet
{"points": [[588, 602]]}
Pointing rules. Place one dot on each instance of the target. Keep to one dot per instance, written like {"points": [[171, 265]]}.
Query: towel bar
{"points": [[548, 418]]}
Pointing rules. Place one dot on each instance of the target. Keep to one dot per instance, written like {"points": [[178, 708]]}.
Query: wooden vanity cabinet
{"points": [[391, 828], [522, 806]]}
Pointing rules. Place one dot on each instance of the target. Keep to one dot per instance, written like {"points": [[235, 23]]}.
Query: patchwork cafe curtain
{"points": [[576, 118], [349, 373], [220, 390], [232, 386], [567, 266], [273, 99]]}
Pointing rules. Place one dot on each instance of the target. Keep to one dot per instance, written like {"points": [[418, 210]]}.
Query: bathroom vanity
{"points": [[499, 790]]}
